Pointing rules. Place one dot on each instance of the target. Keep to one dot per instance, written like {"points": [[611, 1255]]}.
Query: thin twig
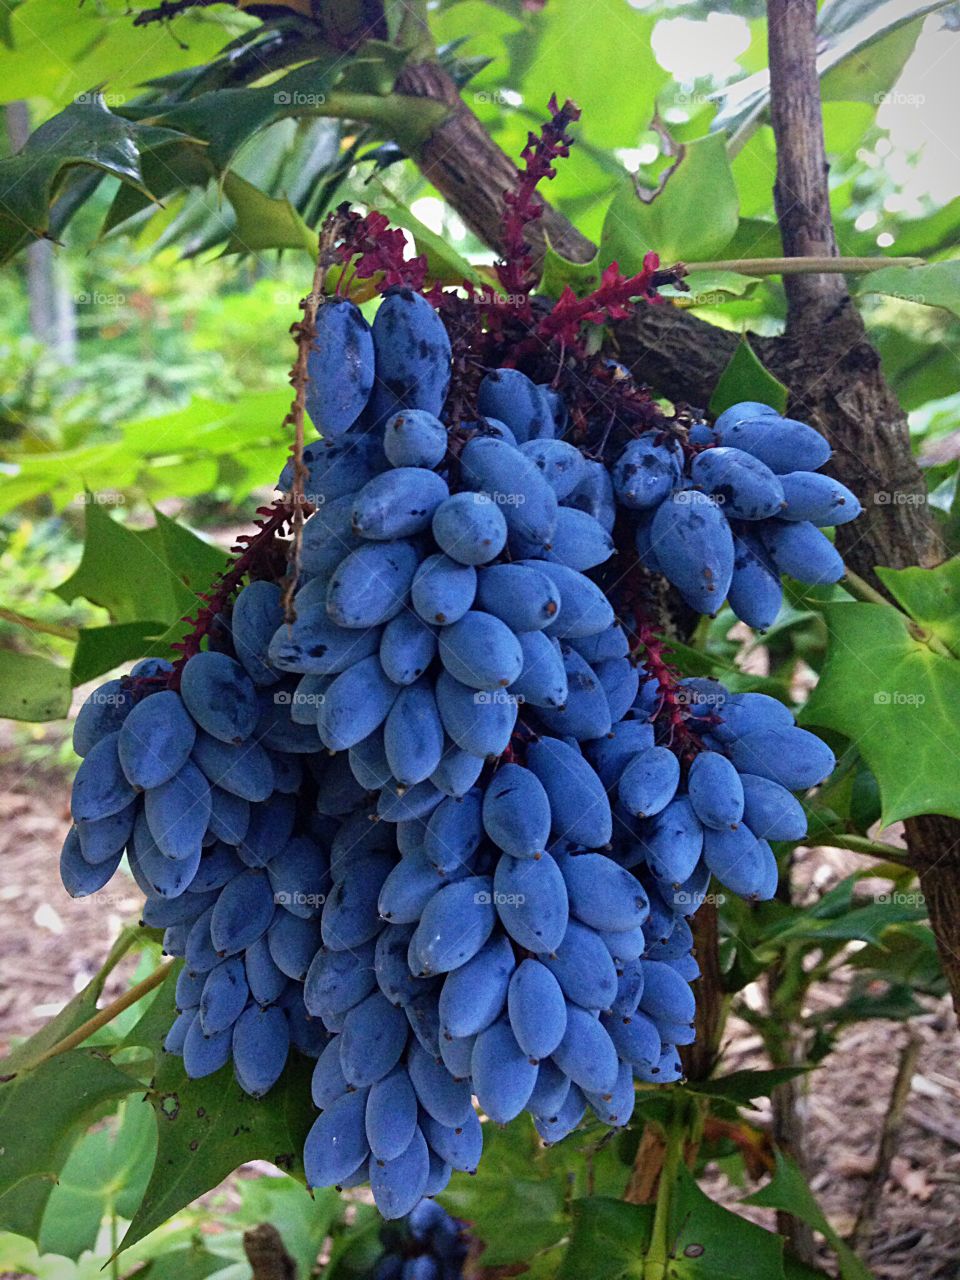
{"points": [[889, 1136], [44, 628], [799, 266], [857, 844], [105, 1015]]}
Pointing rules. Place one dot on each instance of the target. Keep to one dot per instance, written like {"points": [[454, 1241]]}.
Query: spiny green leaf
{"points": [[106, 1172], [709, 1242], [609, 1240], [207, 1128], [897, 700], [788, 1190], [85, 133], [100, 649], [518, 1201], [264, 222]]}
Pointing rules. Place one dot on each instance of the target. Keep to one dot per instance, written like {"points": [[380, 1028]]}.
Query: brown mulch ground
{"points": [[50, 946]]}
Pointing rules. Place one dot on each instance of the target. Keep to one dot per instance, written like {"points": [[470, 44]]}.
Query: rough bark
{"points": [[836, 382]]}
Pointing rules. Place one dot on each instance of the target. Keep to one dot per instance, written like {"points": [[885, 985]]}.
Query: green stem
{"points": [[859, 844], [658, 1255], [407, 119], [862, 589], [44, 628], [106, 1014], [801, 266]]}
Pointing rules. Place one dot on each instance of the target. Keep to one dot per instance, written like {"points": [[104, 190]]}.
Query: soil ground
{"points": [[50, 946]]}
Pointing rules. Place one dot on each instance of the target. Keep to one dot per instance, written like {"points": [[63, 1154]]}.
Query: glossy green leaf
{"points": [[154, 575], [609, 1240], [745, 378], [32, 688], [207, 1128], [788, 1190], [100, 649], [743, 1087], [896, 699], [43, 1110], [85, 133], [936, 285], [709, 1242], [613, 1241], [264, 222], [931, 597], [671, 220], [519, 1198], [193, 1262]]}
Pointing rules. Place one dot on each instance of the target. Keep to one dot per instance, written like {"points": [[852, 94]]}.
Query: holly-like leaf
{"points": [[264, 222], [614, 1241], [671, 221], [609, 1240], [709, 1242], [787, 1190], [745, 378], [743, 1087], [100, 649], [890, 693], [207, 1128], [153, 575], [32, 688], [518, 1201], [87, 133], [43, 1110]]}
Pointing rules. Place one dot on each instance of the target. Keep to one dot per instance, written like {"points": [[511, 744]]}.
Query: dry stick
{"points": [[106, 1014], [889, 1137], [306, 332]]}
